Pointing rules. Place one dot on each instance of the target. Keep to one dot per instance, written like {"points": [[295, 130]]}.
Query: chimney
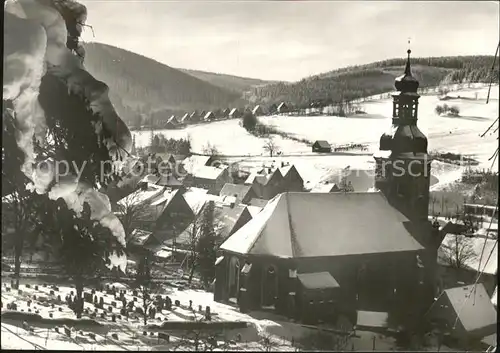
{"points": [[282, 164], [270, 170]]}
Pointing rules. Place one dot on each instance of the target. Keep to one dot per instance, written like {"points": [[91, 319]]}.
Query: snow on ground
{"points": [[445, 134], [130, 331]]}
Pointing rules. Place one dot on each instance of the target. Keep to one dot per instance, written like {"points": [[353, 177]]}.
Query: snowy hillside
{"points": [[445, 134]]}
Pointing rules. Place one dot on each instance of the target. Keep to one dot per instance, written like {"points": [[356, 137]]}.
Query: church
{"points": [[313, 255]]}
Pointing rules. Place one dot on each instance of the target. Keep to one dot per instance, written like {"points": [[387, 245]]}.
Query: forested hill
{"points": [[229, 82], [142, 85], [378, 77]]}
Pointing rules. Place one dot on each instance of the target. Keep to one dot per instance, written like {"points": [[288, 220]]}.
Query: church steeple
{"points": [[402, 165]]}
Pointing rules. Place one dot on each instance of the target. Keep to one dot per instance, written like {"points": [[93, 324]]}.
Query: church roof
{"points": [[295, 225]]}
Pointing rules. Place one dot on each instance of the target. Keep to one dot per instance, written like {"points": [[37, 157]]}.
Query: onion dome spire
{"points": [[407, 83]]}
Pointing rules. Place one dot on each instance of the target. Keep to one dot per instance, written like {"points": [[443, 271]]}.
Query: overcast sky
{"points": [[289, 40]]}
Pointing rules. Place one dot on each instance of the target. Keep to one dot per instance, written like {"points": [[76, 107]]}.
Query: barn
{"points": [[372, 258], [321, 146]]}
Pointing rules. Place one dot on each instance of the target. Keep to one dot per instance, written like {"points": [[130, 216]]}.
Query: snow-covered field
{"points": [[445, 134], [280, 331]]}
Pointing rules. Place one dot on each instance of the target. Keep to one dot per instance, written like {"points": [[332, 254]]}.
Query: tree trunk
{"points": [[191, 273], [18, 250], [79, 297], [145, 305]]}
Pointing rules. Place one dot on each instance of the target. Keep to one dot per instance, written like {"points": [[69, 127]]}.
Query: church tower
{"points": [[402, 162]]}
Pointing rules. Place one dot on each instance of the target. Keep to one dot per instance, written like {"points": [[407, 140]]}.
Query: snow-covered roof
{"points": [[195, 198], [476, 312], [494, 297], [240, 190], [254, 210], [331, 224], [475, 261], [194, 162], [325, 187], [208, 116], [206, 172], [234, 110], [139, 196], [256, 109]]}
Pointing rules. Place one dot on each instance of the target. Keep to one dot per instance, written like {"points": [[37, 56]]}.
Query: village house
{"points": [[184, 119], [460, 259], [171, 123], [211, 178], [243, 193], [193, 162], [273, 109], [210, 116], [292, 181], [376, 250], [467, 315], [194, 117], [321, 146], [257, 111], [234, 114], [228, 218], [225, 113], [266, 184], [160, 210], [282, 108]]}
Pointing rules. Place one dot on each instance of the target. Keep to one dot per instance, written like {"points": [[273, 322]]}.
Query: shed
{"points": [[321, 146], [184, 119]]}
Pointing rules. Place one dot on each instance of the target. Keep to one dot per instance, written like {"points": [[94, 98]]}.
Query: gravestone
{"points": [[28, 303], [151, 334], [208, 316], [110, 309], [28, 285], [190, 304], [135, 299], [36, 287], [87, 297], [13, 306], [134, 293], [113, 304], [101, 302], [51, 292], [20, 292], [103, 315], [60, 309], [200, 308], [177, 303], [96, 301], [122, 311], [114, 336], [51, 315], [113, 318]]}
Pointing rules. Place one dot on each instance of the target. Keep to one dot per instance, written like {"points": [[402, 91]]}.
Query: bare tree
{"points": [[131, 212], [433, 202], [458, 250], [211, 150], [145, 284], [271, 146]]}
